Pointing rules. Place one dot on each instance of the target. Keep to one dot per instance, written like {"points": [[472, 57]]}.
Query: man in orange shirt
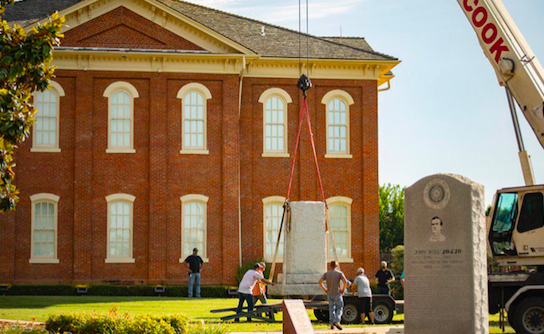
{"points": [[259, 291]]}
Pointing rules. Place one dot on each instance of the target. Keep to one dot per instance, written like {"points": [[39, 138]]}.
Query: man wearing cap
{"points": [[361, 285], [193, 263], [251, 277]]}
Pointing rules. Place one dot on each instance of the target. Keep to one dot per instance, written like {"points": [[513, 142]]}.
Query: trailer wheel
{"points": [[350, 314], [383, 312], [510, 317], [528, 317], [321, 315]]}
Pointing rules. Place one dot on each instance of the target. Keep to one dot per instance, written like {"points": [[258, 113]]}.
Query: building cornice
{"points": [[256, 66]]}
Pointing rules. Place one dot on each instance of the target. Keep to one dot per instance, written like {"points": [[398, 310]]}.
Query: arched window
{"points": [[46, 127], [340, 222], [337, 104], [194, 101], [272, 213], [193, 225], [44, 228], [275, 101], [121, 97], [120, 228]]}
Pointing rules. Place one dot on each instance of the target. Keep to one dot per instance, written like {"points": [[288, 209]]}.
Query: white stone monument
{"points": [[305, 251], [445, 258]]}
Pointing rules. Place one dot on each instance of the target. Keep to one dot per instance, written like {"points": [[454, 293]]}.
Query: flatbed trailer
{"points": [[383, 307]]}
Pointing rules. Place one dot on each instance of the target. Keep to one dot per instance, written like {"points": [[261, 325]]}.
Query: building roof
{"points": [[277, 41]]}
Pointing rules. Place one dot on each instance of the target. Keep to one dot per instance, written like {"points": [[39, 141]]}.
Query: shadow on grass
{"points": [[37, 302]]}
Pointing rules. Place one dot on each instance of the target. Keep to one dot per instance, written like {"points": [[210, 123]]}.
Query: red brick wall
{"points": [[83, 174], [122, 28]]}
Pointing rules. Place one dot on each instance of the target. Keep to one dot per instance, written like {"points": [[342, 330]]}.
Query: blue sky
{"points": [[445, 112]]}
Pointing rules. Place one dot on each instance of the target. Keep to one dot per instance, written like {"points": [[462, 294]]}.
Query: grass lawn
{"points": [[38, 308]]}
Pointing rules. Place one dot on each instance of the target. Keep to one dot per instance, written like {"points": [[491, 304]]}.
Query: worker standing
{"points": [[334, 279], [361, 285], [384, 277]]}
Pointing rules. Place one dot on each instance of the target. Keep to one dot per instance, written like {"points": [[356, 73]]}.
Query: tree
{"points": [[25, 67], [391, 216]]}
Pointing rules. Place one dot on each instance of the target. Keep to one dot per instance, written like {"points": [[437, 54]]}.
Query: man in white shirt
{"points": [[251, 277], [361, 285]]}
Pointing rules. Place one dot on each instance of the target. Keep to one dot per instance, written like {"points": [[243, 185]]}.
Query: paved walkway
{"points": [[6, 322], [362, 330]]}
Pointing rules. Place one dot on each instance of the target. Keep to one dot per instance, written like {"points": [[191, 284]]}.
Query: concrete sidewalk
{"points": [[362, 330]]}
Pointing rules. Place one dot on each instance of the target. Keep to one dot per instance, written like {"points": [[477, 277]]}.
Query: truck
{"points": [[515, 223]]}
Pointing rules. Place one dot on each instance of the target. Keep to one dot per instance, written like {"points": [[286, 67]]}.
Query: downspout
{"points": [[386, 88], [242, 72]]}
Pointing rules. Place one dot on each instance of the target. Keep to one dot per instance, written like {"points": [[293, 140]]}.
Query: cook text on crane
{"points": [[479, 16]]}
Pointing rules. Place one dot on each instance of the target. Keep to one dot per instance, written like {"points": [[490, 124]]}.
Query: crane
{"points": [[515, 223]]}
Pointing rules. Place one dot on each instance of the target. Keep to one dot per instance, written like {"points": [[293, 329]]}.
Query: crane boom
{"points": [[516, 66]]}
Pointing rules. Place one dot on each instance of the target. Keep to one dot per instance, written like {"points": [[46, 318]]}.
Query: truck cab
{"points": [[516, 226]]}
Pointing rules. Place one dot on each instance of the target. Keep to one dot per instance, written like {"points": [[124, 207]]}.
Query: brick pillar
{"points": [[7, 248], [157, 178], [82, 236], [371, 220], [231, 185]]}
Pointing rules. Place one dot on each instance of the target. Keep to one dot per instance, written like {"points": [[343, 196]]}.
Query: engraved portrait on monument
{"points": [[436, 229]]}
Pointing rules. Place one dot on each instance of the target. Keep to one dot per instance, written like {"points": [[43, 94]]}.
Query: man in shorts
{"points": [[361, 285]]}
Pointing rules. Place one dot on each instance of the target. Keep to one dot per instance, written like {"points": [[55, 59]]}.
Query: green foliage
{"points": [[84, 323], [18, 329], [240, 272], [113, 290], [25, 67], [391, 216], [398, 255], [397, 267], [201, 328]]}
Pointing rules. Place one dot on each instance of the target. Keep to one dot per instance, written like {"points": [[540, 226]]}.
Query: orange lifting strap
{"points": [[304, 84]]}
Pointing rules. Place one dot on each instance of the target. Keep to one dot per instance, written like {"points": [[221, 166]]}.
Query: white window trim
{"points": [[120, 259], [347, 202], [348, 100], [49, 198], [207, 95], [286, 98], [59, 92], [266, 201], [133, 94], [195, 198]]}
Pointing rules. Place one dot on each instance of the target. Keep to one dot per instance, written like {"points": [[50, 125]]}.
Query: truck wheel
{"points": [[321, 315], [383, 312], [528, 317], [350, 314]]}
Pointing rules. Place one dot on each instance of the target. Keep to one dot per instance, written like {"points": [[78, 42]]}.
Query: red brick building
{"points": [[170, 126]]}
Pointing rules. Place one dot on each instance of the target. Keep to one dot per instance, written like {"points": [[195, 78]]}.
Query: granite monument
{"points": [[445, 258]]}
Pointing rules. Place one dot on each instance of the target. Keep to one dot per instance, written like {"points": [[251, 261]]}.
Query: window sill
{"points": [[338, 156], [345, 260], [271, 260], [43, 149], [202, 152], [117, 150], [120, 260], [43, 261], [275, 155], [205, 260]]}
